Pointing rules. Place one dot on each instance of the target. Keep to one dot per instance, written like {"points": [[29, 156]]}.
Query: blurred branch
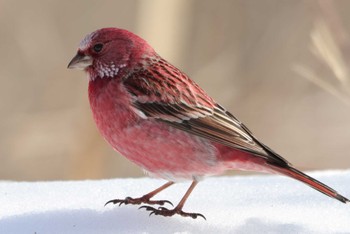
{"points": [[310, 75], [171, 34], [329, 45]]}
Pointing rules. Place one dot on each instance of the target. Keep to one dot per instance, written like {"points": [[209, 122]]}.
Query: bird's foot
{"points": [[167, 213], [137, 201]]}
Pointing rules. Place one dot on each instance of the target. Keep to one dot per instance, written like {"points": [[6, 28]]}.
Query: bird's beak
{"points": [[80, 61]]}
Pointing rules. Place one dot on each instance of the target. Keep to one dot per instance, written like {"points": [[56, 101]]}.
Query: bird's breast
{"points": [[154, 145], [111, 107]]}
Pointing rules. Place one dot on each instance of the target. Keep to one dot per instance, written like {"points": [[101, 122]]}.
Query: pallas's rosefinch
{"points": [[160, 119]]}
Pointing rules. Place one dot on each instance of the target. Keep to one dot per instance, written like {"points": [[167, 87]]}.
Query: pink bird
{"points": [[157, 117]]}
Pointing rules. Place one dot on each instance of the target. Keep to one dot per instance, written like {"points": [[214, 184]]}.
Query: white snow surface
{"points": [[240, 204]]}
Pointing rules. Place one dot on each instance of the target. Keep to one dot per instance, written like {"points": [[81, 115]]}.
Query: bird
{"points": [[156, 116]]}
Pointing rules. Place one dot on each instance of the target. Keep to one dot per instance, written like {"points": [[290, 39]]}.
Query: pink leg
{"points": [[145, 198], [178, 209]]}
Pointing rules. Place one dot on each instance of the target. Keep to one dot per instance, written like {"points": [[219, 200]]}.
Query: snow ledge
{"points": [[240, 204]]}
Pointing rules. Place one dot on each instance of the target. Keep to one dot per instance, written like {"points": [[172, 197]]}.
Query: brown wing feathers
{"points": [[185, 111]]}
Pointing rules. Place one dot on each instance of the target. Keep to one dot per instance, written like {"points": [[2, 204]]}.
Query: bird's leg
{"points": [[145, 198], [178, 209]]}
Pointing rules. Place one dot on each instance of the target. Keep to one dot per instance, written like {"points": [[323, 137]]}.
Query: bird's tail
{"points": [[298, 175]]}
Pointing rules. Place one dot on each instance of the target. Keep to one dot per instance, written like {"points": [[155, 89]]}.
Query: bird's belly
{"points": [[157, 147], [165, 151]]}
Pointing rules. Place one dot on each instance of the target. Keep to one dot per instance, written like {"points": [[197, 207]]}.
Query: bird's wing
{"points": [[164, 93]]}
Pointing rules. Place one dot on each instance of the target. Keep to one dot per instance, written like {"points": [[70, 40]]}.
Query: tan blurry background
{"points": [[280, 66]]}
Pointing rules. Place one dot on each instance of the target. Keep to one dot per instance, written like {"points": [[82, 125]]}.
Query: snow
{"points": [[240, 204]]}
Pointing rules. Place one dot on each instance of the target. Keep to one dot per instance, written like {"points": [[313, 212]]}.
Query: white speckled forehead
{"points": [[84, 44]]}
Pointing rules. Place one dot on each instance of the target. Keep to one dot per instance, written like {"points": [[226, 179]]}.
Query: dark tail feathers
{"points": [[298, 175]]}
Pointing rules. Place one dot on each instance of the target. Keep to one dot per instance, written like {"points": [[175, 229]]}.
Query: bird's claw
{"points": [[160, 202], [127, 200], [148, 208], [137, 201], [167, 213]]}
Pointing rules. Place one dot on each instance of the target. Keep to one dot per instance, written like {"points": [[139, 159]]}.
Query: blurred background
{"points": [[280, 66]]}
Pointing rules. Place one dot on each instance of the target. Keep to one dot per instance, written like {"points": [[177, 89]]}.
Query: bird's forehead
{"points": [[85, 43]]}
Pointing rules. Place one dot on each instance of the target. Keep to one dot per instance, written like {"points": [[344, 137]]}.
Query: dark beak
{"points": [[80, 61]]}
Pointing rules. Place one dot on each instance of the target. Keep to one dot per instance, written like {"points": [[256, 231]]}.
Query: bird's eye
{"points": [[98, 47]]}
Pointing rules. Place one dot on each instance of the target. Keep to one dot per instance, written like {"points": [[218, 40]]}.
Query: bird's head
{"points": [[108, 52]]}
